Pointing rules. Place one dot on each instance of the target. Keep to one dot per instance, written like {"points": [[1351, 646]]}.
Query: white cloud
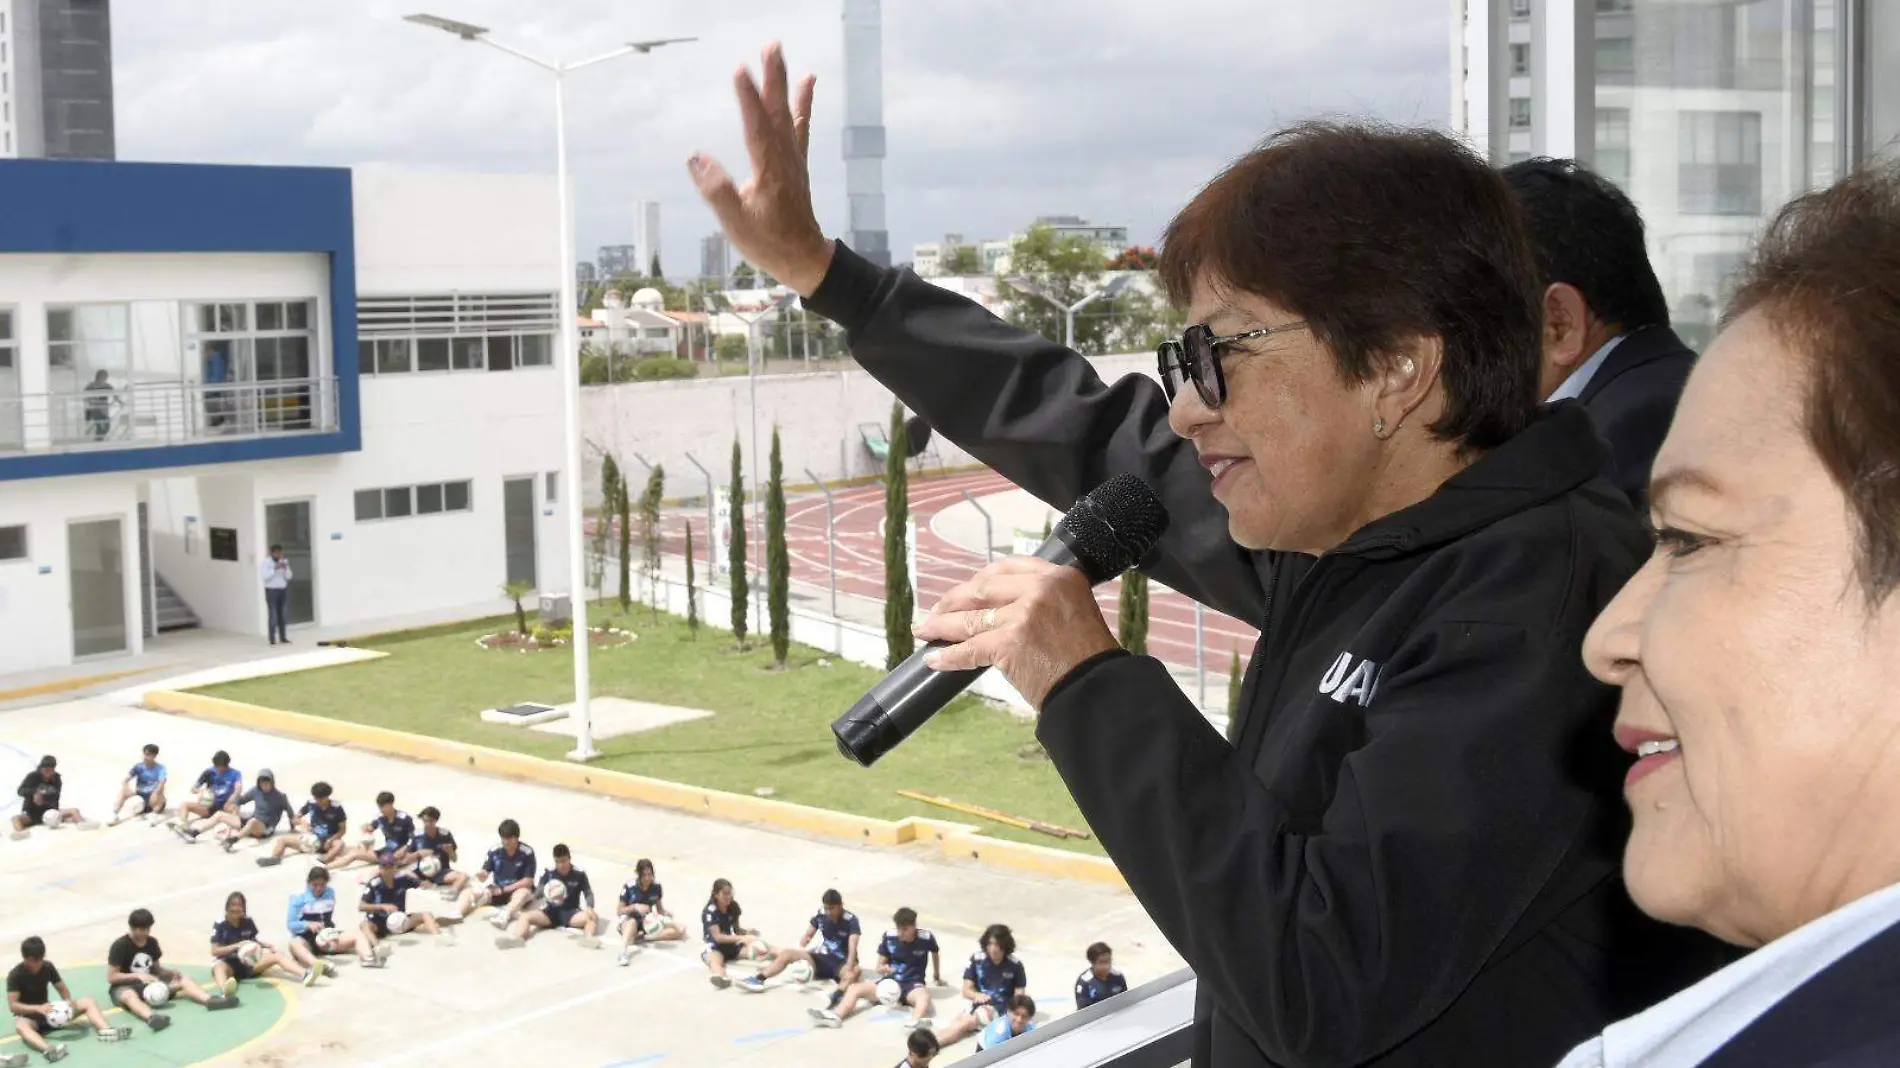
{"points": [[996, 110]]}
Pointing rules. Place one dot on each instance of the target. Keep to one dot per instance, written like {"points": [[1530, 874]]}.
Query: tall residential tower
{"points": [[56, 79], [864, 130]]}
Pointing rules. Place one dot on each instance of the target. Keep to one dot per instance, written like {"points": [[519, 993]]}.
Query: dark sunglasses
{"points": [[1196, 358]]}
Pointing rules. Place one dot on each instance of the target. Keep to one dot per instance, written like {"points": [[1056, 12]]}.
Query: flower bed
{"points": [[543, 638]]}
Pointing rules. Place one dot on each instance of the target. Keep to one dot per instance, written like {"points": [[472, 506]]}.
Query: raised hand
{"points": [[770, 219]]}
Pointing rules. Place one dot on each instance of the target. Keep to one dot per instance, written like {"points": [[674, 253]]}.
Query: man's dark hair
{"points": [[320, 790], [1586, 233], [151, 750], [832, 897], [1376, 236], [509, 829], [1023, 1002], [1826, 275], [276, 548], [34, 948], [220, 759], [998, 933], [560, 851], [1098, 951], [385, 798], [317, 874], [430, 813], [140, 919], [922, 1043], [905, 917]]}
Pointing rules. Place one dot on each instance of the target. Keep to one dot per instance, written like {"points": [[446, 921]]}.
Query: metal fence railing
{"points": [[165, 413]]}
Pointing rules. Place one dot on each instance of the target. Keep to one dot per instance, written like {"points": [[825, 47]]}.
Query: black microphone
{"points": [[1107, 532]]}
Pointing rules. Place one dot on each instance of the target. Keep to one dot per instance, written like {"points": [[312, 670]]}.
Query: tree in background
{"points": [[1132, 627], [1233, 688], [623, 510], [899, 602], [735, 545], [778, 561], [653, 269], [1134, 258], [962, 259], [515, 591], [650, 534], [603, 526], [744, 276], [1068, 269], [730, 347], [692, 593]]}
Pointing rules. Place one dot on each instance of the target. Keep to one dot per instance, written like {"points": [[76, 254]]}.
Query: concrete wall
{"points": [[818, 416], [224, 593], [419, 233], [35, 606]]}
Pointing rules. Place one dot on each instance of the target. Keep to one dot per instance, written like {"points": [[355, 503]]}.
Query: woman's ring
{"points": [[989, 619]]}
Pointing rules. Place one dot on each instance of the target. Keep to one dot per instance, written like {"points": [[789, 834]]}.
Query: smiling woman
{"points": [[1759, 655]]}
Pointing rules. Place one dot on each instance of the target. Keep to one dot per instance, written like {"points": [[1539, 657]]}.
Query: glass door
{"points": [[95, 565], [517, 502], [287, 523], [12, 423]]}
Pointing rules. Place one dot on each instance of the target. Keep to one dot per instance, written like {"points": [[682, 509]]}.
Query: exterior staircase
{"points": [[171, 610]]}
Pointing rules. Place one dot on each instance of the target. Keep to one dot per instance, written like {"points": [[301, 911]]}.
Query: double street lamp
{"points": [[1110, 291], [568, 362]]}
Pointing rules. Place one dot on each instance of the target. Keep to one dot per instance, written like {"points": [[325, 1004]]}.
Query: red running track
{"points": [[941, 563]]}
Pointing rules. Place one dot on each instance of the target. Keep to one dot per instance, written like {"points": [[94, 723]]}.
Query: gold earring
{"points": [[1378, 428]]}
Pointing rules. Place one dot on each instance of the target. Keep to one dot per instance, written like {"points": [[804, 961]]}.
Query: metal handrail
{"points": [[142, 414], [1151, 1026]]}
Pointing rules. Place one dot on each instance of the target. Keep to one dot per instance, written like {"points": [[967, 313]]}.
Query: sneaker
{"points": [[181, 831], [383, 951], [113, 1034], [752, 984], [310, 977], [230, 845], [266, 862], [498, 920], [836, 996], [54, 1052], [720, 982], [86, 825], [825, 1017], [221, 1001], [587, 942], [625, 958], [371, 961], [13, 1060], [924, 1023], [509, 941], [159, 1021], [329, 970], [19, 836], [228, 987]]}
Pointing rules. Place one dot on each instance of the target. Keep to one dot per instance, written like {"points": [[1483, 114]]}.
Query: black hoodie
{"points": [[1408, 853]]}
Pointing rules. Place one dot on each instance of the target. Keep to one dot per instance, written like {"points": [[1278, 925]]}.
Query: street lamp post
{"points": [[1112, 290], [753, 358], [569, 361]]}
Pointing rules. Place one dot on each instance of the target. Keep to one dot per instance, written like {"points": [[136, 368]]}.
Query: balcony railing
{"points": [[165, 413], [1150, 1026]]}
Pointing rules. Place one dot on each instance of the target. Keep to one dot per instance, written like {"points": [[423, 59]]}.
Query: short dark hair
{"points": [[832, 897], [385, 798], [320, 790], [317, 874], [922, 1043], [276, 548], [33, 948], [509, 829], [1586, 233], [1377, 235], [221, 759], [430, 813], [1098, 951], [150, 749], [1826, 274], [560, 851], [1023, 1002], [643, 865], [140, 919], [905, 917], [998, 933]]}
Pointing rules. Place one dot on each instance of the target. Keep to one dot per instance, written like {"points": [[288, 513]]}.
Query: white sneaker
{"points": [[924, 1024], [19, 836], [445, 936], [499, 920], [625, 958], [382, 952], [825, 1017]]}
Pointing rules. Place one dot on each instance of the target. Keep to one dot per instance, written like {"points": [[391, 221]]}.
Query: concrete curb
{"points": [[954, 840]]}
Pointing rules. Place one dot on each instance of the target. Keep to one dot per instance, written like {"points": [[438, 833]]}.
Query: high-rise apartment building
{"points": [[615, 260], [56, 79], [646, 234], [715, 256]]}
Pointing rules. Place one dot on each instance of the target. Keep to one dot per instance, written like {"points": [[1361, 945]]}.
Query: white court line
{"points": [[408, 1056]]}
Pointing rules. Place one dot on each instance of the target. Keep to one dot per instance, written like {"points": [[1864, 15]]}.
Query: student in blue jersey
{"points": [[270, 809], [397, 829], [433, 851], [312, 921], [506, 880], [384, 899], [1101, 981], [920, 1048], [214, 791], [30, 986], [640, 898], [841, 932], [144, 789], [993, 976], [726, 940], [239, 953], [901, 956], [1019, 1020], [318, 830], [564, 899]]}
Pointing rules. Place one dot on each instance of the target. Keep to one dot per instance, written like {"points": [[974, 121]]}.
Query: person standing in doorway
{"points": [[276, 573]]}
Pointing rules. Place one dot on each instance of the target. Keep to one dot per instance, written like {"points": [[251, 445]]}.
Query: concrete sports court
{"points": [[549, 1002]]}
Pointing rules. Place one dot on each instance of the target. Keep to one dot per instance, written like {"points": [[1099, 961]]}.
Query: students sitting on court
{"points": [[318, 830], [145, 785], [270, 809], [991, 979], [238, 953], [384, 898], [726, 940], [506, 880], [566, 899], [433, 850], [642, 912], [313, 928], [1020, 1020], [139, 981], [396, 828], [214, 791], [901, 956], [1101, 981], [837, 953], [39, 801], [35, 1013]]}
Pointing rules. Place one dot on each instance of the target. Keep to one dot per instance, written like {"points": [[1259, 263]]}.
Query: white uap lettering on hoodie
{"points": [[1346, 681]]}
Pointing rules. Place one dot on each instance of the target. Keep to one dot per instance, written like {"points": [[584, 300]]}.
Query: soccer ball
{"points": [[52, 818], [757, 951], [431, 866], [205, 796], [555, 892], [328, 938], [367, 840], [156, 993], [134, 806], [799, 971], [397, 922], [250, 952], [888, 992], [308, 842], [654, 923], [58, 1014]]}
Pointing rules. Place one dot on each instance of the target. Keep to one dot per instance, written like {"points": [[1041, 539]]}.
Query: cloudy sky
{"points": [[997, 110]]}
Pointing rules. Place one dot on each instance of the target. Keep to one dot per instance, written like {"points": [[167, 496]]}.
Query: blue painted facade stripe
{"points": [[90, 207]]}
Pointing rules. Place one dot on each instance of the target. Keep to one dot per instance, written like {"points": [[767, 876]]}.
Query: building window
{"points": [[402, 502], [1719, 163], [458, 332], [13, 543], [1613, 7], [1520, 113], [468, 353], [1520, 59], [7, 343], [388, 356], [1517, 157], [1616, 60], [1520, 9], [1612, 159]]}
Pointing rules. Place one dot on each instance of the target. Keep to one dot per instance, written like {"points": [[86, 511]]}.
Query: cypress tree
{"points": [[692, 593], [650, 533], [604, 521], [735, 546], [1233, 688], [899, 605], [1132, 627], [778, 561], [623, 505]]}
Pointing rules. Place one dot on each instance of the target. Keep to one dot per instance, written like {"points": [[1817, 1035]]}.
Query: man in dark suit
{"points": [[1607, 341]]}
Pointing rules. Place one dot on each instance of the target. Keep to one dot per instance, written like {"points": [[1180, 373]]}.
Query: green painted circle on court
{"points": [[195, 1036]]}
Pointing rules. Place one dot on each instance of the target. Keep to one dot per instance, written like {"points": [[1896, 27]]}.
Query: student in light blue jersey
{"points": [[145, 785], [1020, 1020], [312, 912]]}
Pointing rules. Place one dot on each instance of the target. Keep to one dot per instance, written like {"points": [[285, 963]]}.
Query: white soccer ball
{"points": [[368, 840], [134, 806], [654, 923], [799, 971], [398, 922], [205, 796], [308, 842], [52, 819], [430, 866], [156, 993], [555, 892], [888, 992], [58, 1014], [328, 938], [250, 952]]}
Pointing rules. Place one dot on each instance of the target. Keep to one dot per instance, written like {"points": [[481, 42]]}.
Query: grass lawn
{"points": [[770, 728]]}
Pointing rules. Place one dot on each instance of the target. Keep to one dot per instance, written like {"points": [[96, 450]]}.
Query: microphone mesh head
{"points": [[1115, 525]]}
